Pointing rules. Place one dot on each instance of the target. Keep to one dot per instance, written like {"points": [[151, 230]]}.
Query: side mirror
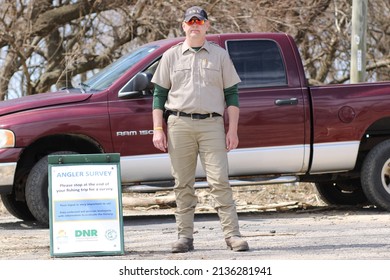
{"points": [[139, 84]]}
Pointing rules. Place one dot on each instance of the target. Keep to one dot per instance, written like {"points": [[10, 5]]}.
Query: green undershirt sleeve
{"points": [[231, 96], [160, 96]]}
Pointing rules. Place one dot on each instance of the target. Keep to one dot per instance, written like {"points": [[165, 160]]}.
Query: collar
{"points": [[185, 47]]}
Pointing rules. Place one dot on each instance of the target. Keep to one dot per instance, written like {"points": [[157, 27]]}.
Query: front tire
{"points": [[376, 175], [16, 206], [37, 185], [18, 209]]}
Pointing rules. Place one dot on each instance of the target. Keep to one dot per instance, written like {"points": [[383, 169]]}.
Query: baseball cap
{"points": [[195, 11]]}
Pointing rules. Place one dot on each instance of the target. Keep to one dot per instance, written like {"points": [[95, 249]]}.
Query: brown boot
{"points": [[236, 243], [183, 245]]}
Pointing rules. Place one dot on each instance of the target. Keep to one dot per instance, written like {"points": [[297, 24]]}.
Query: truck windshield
{"points": [[104, 78]]}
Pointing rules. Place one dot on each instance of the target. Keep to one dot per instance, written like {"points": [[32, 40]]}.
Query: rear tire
{"points": [[342, 193], [376, 175]]}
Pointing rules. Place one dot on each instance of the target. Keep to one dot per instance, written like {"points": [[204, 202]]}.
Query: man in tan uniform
{"points": [[194, 82]]}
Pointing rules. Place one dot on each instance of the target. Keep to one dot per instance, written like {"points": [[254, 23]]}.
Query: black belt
{"points": [[194, 116]]}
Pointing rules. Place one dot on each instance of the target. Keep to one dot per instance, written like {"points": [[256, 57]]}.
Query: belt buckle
{"points": [[192, 117]]}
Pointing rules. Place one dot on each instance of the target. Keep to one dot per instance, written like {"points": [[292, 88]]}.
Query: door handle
{"points": [[282, 102]]}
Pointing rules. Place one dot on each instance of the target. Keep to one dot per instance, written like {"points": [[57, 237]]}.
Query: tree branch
{"points": [[56, 17]]}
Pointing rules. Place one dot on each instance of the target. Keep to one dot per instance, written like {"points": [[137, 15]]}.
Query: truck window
{"points": [[112, 72], [258, 63]]}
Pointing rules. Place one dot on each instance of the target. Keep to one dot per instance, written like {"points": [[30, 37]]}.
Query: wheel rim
{"points": [[385, 176]]}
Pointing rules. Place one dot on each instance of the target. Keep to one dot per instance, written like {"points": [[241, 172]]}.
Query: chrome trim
{"points": [[7, 174], [203, 184]]}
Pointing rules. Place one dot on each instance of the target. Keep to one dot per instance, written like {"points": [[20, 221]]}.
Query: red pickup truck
{"points": [[336, 136]]}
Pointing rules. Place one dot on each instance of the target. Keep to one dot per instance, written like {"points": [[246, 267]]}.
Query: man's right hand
{"points": [[160, 140]]}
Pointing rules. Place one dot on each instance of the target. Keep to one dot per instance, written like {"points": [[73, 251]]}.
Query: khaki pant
{"points": [[187, 139]]}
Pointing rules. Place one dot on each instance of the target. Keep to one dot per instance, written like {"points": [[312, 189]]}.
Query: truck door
{"points": [[272, 111], [132, 129]]}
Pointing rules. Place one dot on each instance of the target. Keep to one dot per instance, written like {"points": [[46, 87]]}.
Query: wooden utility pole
{"points": [[358, 41]]}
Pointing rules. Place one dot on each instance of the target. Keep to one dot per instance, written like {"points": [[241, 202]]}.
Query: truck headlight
{"points": [[7, 139]]}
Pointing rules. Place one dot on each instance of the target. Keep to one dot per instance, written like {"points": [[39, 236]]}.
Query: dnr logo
{"points": [[86, 233]]}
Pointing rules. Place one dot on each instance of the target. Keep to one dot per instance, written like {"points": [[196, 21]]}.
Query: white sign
{"points": [[85, 209]]}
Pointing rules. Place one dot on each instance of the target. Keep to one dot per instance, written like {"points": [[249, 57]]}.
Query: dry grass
{"points": [[248, 198], [274, 194]]}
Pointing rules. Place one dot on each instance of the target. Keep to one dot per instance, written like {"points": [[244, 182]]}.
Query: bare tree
{"points": [[48, 44], [322, 30]]}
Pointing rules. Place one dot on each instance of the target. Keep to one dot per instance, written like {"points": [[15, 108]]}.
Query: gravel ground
{"points": [[288, 228], [279, 222]]}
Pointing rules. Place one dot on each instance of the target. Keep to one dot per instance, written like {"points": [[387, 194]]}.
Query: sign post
{"points": [[85, 205]]}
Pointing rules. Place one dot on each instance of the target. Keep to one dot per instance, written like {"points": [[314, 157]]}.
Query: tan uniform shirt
{"points": [[196, 79]]}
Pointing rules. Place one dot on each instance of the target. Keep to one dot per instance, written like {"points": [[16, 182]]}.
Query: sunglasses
{"points": [[195, 21]]}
